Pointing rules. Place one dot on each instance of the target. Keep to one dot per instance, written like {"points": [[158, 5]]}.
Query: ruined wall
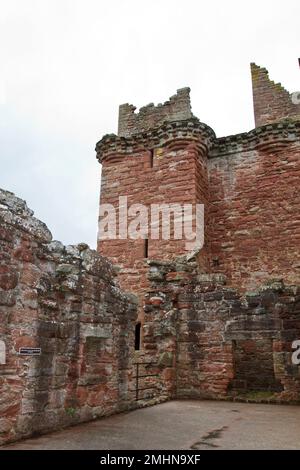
{"points": [[215, 339], [221, 344], [247, 182], [271, 101], [64, 300], [177, 108], [255, 205]]}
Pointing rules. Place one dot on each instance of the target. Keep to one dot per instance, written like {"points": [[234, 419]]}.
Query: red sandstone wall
{"points": [[271, 101], [254, 215], [178, 175], [249, 188], [248, 184], [65, 301], [219, 343]]}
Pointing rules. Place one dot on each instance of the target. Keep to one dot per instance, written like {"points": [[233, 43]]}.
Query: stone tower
{"points": [[159, 157], [247, 182]]}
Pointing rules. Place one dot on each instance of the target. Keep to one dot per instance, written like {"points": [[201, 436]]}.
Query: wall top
{"points": [[277, 121], [15, 212], [112, 147], [271, 101], [272, 137], [177, 108]]}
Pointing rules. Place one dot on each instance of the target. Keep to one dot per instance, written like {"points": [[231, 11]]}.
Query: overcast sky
{"points": [[66, 65]]}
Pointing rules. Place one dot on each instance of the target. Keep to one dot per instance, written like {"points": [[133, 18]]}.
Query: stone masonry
{"points": [[272, 102], [219, 343], [248, 184], [64, 300], [228, 330], [84, 333]]}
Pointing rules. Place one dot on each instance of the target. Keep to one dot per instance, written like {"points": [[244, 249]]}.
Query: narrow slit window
{"points": [[137, 342], [146, 247], [151, 158]]}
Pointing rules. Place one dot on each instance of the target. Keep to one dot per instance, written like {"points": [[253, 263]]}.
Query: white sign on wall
{"points": [[2, 352]]}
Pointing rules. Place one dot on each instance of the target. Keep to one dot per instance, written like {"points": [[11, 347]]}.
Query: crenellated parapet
{"points": [[112, 147], [177, 108], [271, 137]]}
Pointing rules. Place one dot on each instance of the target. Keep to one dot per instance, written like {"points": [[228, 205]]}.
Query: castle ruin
{"points": [[84, 334]]}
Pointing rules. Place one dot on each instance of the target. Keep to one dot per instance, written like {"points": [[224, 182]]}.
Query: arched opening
{"points": [[137, 341], [2, 352]]}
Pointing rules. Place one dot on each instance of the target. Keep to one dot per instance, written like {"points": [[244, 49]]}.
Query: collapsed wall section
{"points": [[66, 329], [271, 101], [177, 108], [221, 344]]}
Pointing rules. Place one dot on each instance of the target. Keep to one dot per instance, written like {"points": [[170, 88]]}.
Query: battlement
{"points": [[177, 108], [269, 138], [271, 101], [112, 147], [273, 137]]}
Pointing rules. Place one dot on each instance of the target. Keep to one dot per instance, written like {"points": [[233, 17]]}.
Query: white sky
{"points": [[66, 65]]}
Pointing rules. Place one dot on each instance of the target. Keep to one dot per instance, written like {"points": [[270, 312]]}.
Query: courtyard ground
{"points": [[186, 424]]}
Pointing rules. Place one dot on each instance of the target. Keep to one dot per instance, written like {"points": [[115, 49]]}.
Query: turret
{"points": [[158, 160]]}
